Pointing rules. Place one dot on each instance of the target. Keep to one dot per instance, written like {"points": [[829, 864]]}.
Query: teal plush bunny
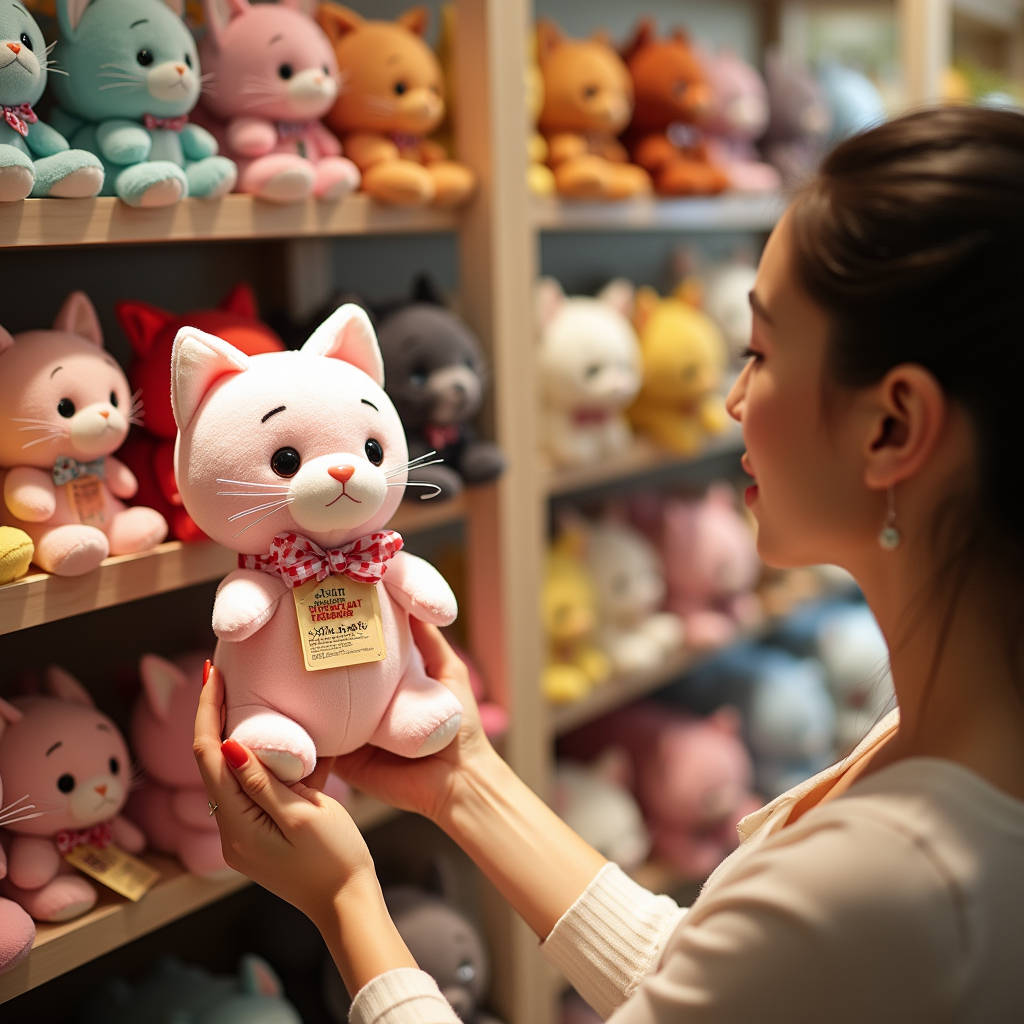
{"points": [[133, 78], [34, 159]]}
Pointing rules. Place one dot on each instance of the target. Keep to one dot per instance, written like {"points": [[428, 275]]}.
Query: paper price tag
{"points": [[115, 868], [86, 497], [339, 623]]}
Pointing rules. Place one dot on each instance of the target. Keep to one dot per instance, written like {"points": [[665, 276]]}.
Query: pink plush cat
{"points": [[66, 406], [17, 931], [273, 76], [297, 460], [72, 763], [170, 804]]}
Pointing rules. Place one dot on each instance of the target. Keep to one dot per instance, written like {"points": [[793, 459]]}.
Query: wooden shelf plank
{"points": [[642, 457], [108, 221], [735, 212], [115, 921]]}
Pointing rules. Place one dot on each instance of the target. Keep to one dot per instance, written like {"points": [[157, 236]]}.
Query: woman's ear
{"points": [[908, 411]]}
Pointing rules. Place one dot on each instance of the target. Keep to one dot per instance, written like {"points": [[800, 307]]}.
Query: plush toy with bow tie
{"points": [[133, 78], [66, 406], [297, 460]]}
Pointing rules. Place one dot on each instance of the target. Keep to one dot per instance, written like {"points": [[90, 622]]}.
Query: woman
{"points": [[879, 413]]}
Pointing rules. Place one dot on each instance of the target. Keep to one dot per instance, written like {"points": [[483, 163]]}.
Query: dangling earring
{"points": [[889, 539]]}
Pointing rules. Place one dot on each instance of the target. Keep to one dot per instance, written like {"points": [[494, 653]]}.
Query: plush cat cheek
{"points": [[336, 492], [172, 82], [98, 429], [311, 92], [96, 799]]}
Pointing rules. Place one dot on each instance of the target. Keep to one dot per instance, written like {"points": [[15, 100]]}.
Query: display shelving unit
{"points": [[503, 525]]}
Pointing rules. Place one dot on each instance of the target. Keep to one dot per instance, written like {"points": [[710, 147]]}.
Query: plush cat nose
{"points": [[105, 414], [180, 68], [102, 790], [342, 473], [15, 47]]}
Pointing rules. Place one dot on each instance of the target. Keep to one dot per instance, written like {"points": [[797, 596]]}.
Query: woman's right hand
{"points": [[424, 785]]}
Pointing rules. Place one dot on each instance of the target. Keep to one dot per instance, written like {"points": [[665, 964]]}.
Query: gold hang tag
{"points": [[115, 868], [339, 623], [87, 500]]}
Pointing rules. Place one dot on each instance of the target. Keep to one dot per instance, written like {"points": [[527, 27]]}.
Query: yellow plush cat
{"points": [[684, 359]]}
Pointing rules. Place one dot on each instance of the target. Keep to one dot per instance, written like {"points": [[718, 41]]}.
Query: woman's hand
{"points": [[424, 785], [293, 840]]}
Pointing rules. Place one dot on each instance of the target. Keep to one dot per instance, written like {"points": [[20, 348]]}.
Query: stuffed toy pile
{"points": [[313, 627], [67, 408]]}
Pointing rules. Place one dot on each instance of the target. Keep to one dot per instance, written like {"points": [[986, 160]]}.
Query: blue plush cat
{"points": [[34, 159], [179, 994], [134, 77]]}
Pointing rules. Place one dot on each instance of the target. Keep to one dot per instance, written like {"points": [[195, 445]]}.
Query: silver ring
{"points": [[212, 806]]}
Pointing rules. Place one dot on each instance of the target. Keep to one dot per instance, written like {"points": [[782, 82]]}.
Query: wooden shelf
{"points": [[642, 457], [108, 221], [115, 921], [731, 212]]}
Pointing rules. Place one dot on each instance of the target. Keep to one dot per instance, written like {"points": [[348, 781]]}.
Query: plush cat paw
{"points": [[211, 178], [73, 174], [151, 184], [16, 175], [66, 897], [279, 178], [71, 550], [136, 529], [454, 183], [287, 767], [16, 934], [281, 744], [441, 736], [399, 183], [336, 177]]}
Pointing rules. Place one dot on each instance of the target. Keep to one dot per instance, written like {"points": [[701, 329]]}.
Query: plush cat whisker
{"points": [[42, 440], [121, 85], [381, 103], [48, 66], [412, 464], [250, 494], [30, 419], [281, 505], [416, 483], [248, 483], [42, 426], [258, 508], [24, 817]]}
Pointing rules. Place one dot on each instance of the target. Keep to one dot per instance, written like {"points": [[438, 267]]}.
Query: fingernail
{"points": [[206, 670], [234, 753]]}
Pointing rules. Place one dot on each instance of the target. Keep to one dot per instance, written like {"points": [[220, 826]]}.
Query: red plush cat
{"points": [[149, 452]]}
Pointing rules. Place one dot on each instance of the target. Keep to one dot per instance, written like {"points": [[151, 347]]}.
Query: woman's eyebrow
{"points": [[758, 307]]}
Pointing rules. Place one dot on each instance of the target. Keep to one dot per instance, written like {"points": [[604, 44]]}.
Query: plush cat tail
{"points": [[257, 977], [6, 340], [348, 335], [78, 316], [69, 14], [198, 361], [160, 678], [64, 686], [337, 21], [141, 324], [548, 300]]}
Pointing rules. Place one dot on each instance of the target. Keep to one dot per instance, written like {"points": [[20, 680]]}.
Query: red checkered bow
{"points": [[19, 116], [172, 124], [98, 836], [297, 560]]}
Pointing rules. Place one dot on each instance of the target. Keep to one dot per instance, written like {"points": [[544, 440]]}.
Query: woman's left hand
{"points": [[292, 840]]}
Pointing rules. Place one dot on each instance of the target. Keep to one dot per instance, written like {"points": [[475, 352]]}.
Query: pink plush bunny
{"points": [[66, 406], [273, 76], [17, 931], [72, 763], [170, 804], [297, 460]]}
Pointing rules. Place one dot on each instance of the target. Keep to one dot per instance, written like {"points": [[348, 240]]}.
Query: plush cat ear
{"points": [[6, 340], [9, 714], [141, 324], [644, 304], [159, 681], [307, 7], [619, 294], [415, 20], [548, 300], [198, 361], [549, 38], [69, 14], [178, 6], [78, 316], [644, 34], [64, 686], [337, 21], [219, 14], [241, 300], [347, 334], [258, 977]]}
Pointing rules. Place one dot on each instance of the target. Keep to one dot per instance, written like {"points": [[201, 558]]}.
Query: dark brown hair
{"points": [[911, 237]]}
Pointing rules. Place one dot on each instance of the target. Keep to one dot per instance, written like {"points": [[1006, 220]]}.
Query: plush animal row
{"points": [[627, 360], [149, 125]]}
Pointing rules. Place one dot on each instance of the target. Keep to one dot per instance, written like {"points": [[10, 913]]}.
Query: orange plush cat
{"points": [[391, 99], [588, 101]]}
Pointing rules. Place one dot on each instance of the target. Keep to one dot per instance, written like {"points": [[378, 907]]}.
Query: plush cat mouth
{"points": [[344, 494]]}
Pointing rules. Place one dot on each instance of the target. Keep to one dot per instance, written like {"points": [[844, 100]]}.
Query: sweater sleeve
{"points": [[401, 996], [611, 938], [847, 920]]}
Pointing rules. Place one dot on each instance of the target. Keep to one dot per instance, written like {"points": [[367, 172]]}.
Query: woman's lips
{"points": [[750, 495]]}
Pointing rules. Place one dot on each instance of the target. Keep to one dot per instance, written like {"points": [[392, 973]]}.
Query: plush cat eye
{"points": [[285, 71], [26, 41], [400, 88], [374, 451], [188, 60], [115, 766], [286, 462], [66, 783], [66, 408], [113, 399], [144, 57]]}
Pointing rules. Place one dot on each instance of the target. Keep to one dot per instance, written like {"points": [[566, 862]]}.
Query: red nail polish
{"points": [[206, 670], [234, 753]]}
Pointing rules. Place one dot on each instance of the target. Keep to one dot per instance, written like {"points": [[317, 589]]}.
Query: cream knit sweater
{"points": [[900, 901]]}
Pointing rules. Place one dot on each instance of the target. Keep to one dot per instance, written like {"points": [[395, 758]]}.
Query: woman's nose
{"points": [[737, 394]]}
